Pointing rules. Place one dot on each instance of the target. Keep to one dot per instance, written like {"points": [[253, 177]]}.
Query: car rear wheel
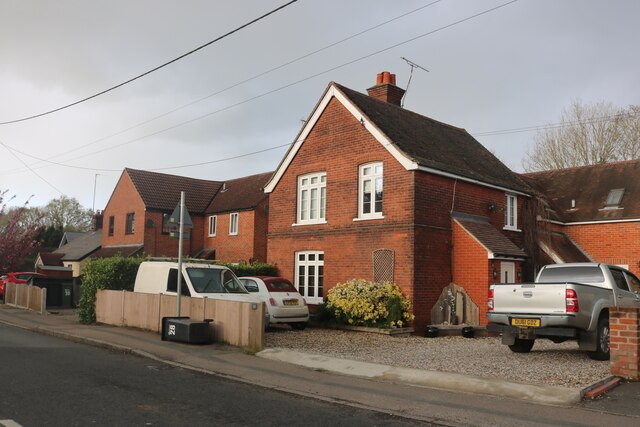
{"points": [[299, 326], [602, 341], [522, 346]]}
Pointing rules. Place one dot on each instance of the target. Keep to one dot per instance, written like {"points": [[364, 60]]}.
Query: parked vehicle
{"points": [[198, 280], [567, 301], [22, 277], [282, 300]]}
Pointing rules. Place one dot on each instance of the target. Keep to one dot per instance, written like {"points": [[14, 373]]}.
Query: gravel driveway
{"points": [[547, 364]]}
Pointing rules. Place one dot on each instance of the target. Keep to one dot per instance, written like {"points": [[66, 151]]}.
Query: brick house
{"points": [[237, 220], [137, 213], [371, 190], [593, 213]]}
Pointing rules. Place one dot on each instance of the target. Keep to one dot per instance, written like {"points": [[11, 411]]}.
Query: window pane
{"points": [[304, 205], [301, 257], [311, 291], [321, 256], [320, 280], [323, 178], [366, 171], [301, 281], [378, 169], [312, 257], [366, 197], [323, 201], [313, 211], [378, 206], [304, 181]]}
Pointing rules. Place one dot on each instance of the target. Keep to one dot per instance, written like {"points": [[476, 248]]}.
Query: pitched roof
{"points": [[69, 236], [239, 194], [488, 236], [561, 248], [51, 258], [162, 191], [435, 145], [124, 250], [81, 247], [589, 187]]}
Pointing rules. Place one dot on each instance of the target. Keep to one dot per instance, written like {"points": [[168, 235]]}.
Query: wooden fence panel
{"points": [[26, 296], [237, 323]]}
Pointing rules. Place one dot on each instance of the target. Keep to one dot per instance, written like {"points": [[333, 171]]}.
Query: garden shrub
{"points": [[365, 303], [254, 269], [117, 273]]}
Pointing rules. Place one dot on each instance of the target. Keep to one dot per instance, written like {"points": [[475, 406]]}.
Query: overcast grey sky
{"points": [[514, 67]]}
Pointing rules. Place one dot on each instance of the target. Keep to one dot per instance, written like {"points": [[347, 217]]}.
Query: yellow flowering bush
{"points": [[365, 303]]}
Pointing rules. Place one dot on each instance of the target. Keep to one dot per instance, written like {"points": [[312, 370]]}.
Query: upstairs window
{"points": [[510, 212], [312, 198], [130, 223], [614, 198], [233, 224], [370, 191], [167, 227], [213, 223], [112, 221]]}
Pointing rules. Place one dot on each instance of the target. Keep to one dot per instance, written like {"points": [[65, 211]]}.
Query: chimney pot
{"points": [[386, 89]]}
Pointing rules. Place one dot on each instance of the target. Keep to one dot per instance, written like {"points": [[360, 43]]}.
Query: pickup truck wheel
{"points": [[602, 341], [522, 346]]}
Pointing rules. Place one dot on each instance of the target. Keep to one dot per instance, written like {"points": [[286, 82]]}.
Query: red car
{"points": [[20, 277]]}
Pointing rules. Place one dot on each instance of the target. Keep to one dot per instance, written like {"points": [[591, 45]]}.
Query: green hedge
{"points": [[118, 273], [255, 269]]}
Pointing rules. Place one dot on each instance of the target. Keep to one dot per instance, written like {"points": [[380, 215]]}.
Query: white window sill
{"points": [[314, 300], [298, 224], [368, 218], [512, 229]]}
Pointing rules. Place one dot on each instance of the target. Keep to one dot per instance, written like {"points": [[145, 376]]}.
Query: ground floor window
{"points": [[310, 275]]}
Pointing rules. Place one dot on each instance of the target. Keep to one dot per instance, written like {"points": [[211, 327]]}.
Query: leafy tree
{"points": [[587, 135], [16, 240], [67, 213]]}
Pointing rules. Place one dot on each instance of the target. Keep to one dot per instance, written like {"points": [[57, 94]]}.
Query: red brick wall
{"points": [[124, 199], [612, 243], [472, 268], [250, 242], [163, 245], [337, 145], [624, 326]]}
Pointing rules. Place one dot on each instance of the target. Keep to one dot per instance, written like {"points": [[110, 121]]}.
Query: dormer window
{"points": [[614, 198]]}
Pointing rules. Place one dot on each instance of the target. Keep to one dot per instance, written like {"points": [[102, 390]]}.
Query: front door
{"points": [[507, 272]]}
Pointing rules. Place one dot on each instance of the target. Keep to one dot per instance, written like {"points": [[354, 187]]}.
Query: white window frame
{"points": [[312, 209], [302, 282], [369, 174], [213, 225], [233, 224], [511, 212]]}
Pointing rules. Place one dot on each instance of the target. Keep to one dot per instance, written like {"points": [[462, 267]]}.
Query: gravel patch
{"points": [[547, 364]]}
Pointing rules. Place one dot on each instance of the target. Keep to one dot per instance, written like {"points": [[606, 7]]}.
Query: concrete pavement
{"points": [[295, 372]]}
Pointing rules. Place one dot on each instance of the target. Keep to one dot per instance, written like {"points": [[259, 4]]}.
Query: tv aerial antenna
{"points": [[412, 65]]}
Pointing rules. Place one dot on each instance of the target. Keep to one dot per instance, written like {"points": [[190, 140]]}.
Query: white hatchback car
{"points": [[283, 302]]}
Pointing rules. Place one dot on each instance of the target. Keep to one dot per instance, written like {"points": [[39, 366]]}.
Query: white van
{"points": [[199, 280]]}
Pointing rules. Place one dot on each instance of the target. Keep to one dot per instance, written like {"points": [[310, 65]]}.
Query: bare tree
{"points": [[67, 213], [586, 135]]}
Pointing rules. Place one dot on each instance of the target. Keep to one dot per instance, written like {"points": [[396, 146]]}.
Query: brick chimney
{"points": [[96, 221], [386, 89]]}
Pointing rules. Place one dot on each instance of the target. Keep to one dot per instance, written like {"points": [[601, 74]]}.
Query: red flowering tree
{"points": [[17, 240]]}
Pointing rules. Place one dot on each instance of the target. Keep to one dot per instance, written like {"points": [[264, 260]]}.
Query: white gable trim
{"points": [[332, 92]]}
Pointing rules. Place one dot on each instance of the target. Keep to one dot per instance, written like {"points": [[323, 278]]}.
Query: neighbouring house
{"points": [[237, 221], [593, 213], [371, 190], [136, 218]]}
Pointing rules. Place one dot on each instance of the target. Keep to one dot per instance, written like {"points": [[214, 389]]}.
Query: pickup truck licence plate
{"points": [[525, 322]]}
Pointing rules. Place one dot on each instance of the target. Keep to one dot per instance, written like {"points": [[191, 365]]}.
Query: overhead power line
{"points": [[27, 166], [146, 73], [221, 90], [271, 92]]}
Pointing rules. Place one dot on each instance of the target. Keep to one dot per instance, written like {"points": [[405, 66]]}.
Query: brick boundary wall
{"points": [[624, 324]]}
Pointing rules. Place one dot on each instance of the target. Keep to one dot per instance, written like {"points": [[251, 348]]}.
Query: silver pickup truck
{"points": [[567, 301]]}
